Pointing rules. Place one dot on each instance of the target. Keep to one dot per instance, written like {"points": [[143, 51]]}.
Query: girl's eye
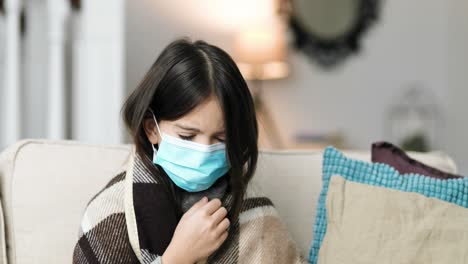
{"points": [[186, 137], [220, 140]]}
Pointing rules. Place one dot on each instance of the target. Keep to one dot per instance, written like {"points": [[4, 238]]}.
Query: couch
{"points": [[45, 186]]}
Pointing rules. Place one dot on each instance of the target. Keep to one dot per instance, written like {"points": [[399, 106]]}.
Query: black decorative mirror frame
{"points": [[329, 52]]}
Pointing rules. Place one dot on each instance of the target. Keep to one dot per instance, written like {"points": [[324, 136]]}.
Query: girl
{"points": [[185, 195]]}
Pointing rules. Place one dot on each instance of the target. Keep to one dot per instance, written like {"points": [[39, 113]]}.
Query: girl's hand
{"points": [[200, 232]]}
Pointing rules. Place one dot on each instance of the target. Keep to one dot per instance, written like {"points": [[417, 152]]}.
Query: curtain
{"points": [[62, 77]]}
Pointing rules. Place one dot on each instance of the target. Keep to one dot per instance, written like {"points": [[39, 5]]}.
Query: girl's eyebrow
{"points": [[194, 129], [188, 128]]}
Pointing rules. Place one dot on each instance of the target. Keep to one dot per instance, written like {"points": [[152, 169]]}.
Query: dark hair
{"points": [[185, 75]]}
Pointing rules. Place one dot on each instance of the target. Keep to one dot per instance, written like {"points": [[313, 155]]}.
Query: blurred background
{"points": [[340, 72]]}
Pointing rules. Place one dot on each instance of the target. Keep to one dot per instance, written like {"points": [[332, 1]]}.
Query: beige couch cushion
{"points": [[45, 186], [370, 224]]}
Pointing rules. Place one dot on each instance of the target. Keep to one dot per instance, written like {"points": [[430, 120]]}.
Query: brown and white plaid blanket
{"points": [[123, 224]]}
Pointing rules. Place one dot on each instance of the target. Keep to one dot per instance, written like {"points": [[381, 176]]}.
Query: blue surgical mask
{"points": [[192, 166]]}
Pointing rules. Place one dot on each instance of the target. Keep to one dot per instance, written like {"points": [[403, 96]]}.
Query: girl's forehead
{"points": [[207, 115]]}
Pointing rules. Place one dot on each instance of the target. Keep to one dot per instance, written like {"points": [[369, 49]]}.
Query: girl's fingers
{"points": [[197, 205], [221, 239], [212, 206], [223, 226], [219, 215]]}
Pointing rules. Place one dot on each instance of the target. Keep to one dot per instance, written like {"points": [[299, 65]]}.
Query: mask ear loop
{"points": [[157, 126]]}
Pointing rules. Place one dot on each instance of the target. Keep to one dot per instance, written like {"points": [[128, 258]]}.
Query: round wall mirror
{"points": [[329, 31]]}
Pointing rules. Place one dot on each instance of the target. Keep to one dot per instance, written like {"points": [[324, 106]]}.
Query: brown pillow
{"points": [[387, 153]]}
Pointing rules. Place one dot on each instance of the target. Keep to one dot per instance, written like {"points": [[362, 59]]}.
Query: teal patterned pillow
{"points": [[376, 174]]}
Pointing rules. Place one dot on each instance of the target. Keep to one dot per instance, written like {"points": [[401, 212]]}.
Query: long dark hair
{"points": [[185, 75]]}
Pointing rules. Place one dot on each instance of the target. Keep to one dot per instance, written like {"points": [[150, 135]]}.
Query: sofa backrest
{"points": [[45, 186]]}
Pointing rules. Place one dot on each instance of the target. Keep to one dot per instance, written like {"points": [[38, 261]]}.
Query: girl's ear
{"points": [[151, 131]]}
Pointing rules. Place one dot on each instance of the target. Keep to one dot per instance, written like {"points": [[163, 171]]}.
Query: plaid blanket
{"points": [[131, 220]]}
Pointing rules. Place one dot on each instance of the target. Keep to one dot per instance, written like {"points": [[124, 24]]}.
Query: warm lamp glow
{"points": [[268, 71], [225, 16], [261, 53]]}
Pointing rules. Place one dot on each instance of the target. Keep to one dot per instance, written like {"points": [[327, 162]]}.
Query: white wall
{"points": [[98, 87], [408, 44], [151, 25], [458, 83], [2, 66]]}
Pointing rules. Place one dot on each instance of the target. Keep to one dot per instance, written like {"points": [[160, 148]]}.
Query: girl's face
{"points": [[204, 125]]}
